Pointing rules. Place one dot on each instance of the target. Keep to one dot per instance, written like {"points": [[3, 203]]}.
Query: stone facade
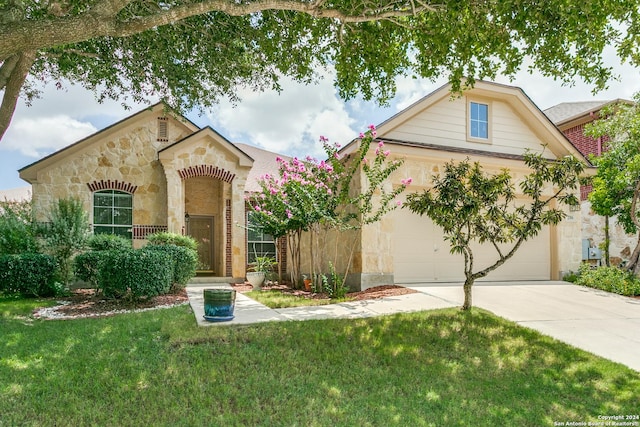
{"points": [[168, 165]]}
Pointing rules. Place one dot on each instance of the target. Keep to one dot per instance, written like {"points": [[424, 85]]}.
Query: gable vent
{"points": [[163, 129]]}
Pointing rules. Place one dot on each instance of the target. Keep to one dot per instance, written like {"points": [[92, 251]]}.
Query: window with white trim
{"points": [[259, 244], [478, 120], [113, 213]]}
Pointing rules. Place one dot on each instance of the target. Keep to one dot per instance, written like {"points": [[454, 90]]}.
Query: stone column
{"points": [[238, 248], [175, 198]]}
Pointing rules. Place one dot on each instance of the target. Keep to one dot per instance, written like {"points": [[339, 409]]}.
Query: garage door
{"points": [[422, 255]]}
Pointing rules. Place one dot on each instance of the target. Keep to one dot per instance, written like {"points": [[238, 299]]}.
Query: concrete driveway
{"points": [[602, 323]]}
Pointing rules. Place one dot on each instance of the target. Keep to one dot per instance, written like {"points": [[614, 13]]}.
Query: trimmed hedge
{"points": [[135, 274], [87, 265], [166, 238], [108, 242], [184, 262], [29, 274]]}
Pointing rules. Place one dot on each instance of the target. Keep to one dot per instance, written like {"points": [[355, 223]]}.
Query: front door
{"points": [[201, 229]]}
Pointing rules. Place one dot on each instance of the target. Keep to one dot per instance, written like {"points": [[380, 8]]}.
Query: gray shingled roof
{"points": [[264, 162], [568, 110]]}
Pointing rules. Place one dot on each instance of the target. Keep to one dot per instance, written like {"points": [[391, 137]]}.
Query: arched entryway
{"points": [[204, 221]]}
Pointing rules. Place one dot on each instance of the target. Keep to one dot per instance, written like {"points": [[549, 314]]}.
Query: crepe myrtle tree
{"points": [[193, 53], [472, 206], [310, 193], [616, 185]]}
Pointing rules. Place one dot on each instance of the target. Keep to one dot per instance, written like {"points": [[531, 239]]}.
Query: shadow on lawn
{"points": [[432, 368]]}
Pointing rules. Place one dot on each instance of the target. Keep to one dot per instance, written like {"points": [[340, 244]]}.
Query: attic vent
{"points": [[163, 129]]}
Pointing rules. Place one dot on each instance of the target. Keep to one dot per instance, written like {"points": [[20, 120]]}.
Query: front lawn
{"points": [[275, 298], [437, 368]]}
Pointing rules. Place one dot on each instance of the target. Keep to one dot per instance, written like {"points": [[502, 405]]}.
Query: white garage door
{"points": [[422, 255]]}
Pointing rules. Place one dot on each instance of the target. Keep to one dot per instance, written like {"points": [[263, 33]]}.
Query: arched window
{"points": [[113, 213]]}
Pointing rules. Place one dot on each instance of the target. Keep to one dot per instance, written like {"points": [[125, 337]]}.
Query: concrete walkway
{"points": [[599, 322]]}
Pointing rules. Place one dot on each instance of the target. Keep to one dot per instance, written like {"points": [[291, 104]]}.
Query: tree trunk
{"points": [[607, 242], [14, 80], [633, 260], [468, 284]]}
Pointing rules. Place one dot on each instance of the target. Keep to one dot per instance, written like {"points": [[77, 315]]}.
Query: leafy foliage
{"points": [[108, 242], [86, 265], [17, 229], [166, 238], [473, 206], [193, 53], [66, 234], [28, 274], [610, 279], [309, 194], [616, 186], [183, 261], [135, 274]]}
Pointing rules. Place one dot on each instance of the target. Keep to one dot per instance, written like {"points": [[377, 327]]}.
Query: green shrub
{"points": [[17, 229], [571, 277], [108, 242], [610, 279], [183, 260], [166, 238], [87, 265], [29, 274], [135, 274], [66, 234]]}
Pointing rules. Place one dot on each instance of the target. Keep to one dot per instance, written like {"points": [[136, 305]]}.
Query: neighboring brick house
{"points": [[571, 118]]}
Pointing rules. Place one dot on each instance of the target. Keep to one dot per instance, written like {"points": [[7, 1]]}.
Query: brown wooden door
{"points": [[201, 229]]}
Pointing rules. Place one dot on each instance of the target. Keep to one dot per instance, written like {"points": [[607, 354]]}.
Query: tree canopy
{"points": [[616, 186], [192, 53]]}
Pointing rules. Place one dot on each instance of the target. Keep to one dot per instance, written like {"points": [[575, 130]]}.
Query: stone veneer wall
{"points": [[621, 244], [128, 155]]}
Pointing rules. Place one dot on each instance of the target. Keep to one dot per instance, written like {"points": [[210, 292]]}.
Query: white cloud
{"points": [[289, 122], [39, 136]]}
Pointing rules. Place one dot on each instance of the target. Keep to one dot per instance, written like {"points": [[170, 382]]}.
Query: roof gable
{"points": [[29, 173], [205, 136], [439, 121]]}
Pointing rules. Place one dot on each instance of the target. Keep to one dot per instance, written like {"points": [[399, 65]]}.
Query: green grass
{"points": [[278, 299], [15, 306], [437, 368]]}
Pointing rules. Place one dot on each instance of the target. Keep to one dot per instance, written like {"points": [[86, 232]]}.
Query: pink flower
{"points": [[289, 214], [257, 208], [406, 181], [374, 133], [337, 156], [377, 151], [361, 135], [364, 161], [324, 138], [386, 153], [381, 144], [372, 127], [398, 203]]}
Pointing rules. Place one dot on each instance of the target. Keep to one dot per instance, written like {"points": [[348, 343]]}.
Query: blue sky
{"points": [[289, 123]]}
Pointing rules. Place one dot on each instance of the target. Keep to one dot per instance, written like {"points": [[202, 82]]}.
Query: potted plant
{"points": [[307, 283], [258, 271]]}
